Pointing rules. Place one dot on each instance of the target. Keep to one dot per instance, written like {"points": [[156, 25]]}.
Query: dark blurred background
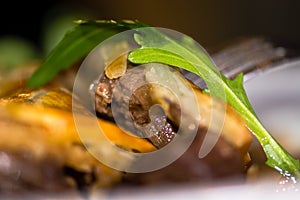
{"points": [[210, 22]]}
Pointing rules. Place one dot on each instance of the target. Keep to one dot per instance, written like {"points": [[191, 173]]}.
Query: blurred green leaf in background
{"points": [[15, 51]]}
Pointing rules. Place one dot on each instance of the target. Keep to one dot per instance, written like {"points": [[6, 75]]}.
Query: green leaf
{"points": [[76, 44], [184, 53]]}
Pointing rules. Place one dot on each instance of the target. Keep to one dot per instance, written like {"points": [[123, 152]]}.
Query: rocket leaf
{"points": [[159, 47]]}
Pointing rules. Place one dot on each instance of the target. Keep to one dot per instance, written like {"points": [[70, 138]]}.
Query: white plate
{"points": [[275, 97]]}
